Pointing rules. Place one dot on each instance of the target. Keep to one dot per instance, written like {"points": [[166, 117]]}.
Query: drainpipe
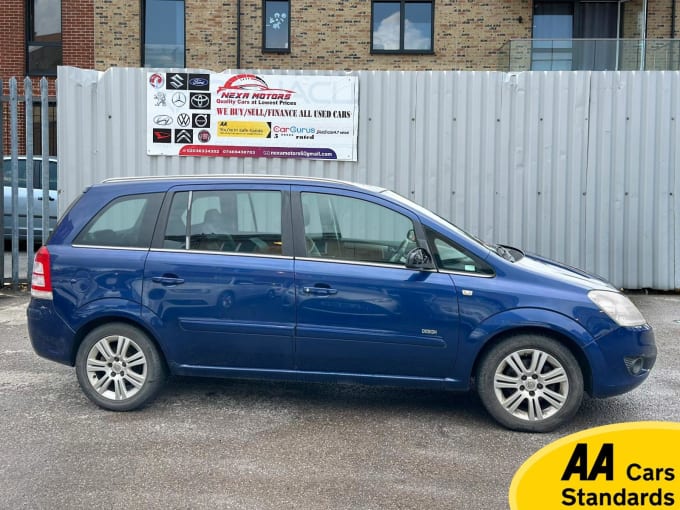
{"points": [[238, 34]]}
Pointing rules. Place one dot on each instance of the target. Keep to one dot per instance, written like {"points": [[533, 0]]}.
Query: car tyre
{"points": [[530, 383], [119, 368]]}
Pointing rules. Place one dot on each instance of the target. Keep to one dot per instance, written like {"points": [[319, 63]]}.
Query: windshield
{"points": [[436, 218]]}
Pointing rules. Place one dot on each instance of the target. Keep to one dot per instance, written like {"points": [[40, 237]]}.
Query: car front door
{"points": [[360, 310], [219, 279]]}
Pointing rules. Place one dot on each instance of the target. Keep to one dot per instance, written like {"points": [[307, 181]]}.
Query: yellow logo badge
{"points": [[628, 465]]}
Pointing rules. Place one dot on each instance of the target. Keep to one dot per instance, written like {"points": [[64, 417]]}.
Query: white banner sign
{"points": [[244, 115]]}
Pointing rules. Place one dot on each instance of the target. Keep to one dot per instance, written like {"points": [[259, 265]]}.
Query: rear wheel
{"points": [[119, 367], [530, 383]]}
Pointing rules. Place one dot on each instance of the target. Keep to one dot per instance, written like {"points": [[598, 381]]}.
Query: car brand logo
{"points": [[156, 80], [199, 81], [204, 136], [162, 120], [179, 99], [200, 101], [162, 135], [201, 120], [184, 135], [177, 81], [183, 120], [159, 99]]}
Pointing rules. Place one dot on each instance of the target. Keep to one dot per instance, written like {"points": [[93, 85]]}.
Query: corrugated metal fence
{"points": [[576, 166], [25, 179]]}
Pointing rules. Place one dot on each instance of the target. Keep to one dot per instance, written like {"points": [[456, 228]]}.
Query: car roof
{"points": [[244, 178]]}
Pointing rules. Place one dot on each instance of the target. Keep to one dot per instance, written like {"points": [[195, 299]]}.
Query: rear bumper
{"points": [[50, 337]]}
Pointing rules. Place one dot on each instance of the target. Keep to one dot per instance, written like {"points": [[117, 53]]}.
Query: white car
{"points": [[37, 197]]}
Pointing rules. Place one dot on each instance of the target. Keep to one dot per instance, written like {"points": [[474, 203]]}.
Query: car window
{"points": [[37, 173], [7, 171], [452, 257], [243, 221], [126, 222], [347, 228]]}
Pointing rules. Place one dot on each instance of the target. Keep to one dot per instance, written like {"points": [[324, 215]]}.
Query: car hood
{"points": [[557, 271]]}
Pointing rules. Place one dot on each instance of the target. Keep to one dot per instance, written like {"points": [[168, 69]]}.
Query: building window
{"points": [[404, 26], [43, 37], [276, 26], [163, 33]]}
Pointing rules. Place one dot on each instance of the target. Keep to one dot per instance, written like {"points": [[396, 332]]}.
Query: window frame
{"points": [[142, 31], [29, 41], [402, 21], [265, 48]]}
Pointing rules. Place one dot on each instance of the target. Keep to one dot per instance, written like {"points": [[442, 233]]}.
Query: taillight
{"points": [[41, 281]]}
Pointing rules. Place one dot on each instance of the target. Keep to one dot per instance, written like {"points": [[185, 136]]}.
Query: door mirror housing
{"points": [[419, 258]]}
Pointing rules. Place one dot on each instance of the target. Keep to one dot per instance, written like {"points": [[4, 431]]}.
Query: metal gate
{"points": [[28, 202]]}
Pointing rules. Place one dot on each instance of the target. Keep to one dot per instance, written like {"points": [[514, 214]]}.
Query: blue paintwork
{"points": [[287, 317]]}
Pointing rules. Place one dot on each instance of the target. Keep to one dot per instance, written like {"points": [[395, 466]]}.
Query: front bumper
{"points": [[621, 360]]}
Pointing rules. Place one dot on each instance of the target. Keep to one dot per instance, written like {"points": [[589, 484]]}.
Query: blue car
{"points": [[319, 280]]}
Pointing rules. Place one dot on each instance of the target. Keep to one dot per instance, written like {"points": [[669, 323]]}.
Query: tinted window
{"points": [[402, 26], [276, 25], [241, 221], [37, 173], [164, 33], [43, 45], [126, 222], [348, 228], [7, 170]]}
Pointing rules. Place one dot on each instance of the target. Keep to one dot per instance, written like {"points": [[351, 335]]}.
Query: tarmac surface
{"points": [[207, 443]]}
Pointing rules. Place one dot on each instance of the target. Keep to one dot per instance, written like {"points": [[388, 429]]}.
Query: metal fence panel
{"points": [[20, 190], [576, 166]]}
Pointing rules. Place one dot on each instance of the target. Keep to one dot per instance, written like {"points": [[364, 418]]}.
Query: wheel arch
{"points": [[86, 328], [558, 336]]}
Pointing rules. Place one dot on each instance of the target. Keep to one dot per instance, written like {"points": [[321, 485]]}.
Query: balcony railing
{"points": [[590, 55]]}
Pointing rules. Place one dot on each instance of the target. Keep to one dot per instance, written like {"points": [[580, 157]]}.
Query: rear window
{"points": [[37, 173], [127, 222]]}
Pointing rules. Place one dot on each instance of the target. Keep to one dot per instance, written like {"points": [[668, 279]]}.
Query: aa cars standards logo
{"points": [[629, 465]]}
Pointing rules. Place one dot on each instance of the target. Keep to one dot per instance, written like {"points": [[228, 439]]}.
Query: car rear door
{"points": [[219, 279], [360, 310]]}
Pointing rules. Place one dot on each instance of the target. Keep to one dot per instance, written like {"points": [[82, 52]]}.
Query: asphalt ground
{"points": [[207, 443]]}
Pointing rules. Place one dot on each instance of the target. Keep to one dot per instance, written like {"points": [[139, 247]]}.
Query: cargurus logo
{"points": [[295, 130]]}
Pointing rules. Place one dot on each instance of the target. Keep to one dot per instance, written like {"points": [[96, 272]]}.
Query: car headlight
{"points": [[618, 307]]}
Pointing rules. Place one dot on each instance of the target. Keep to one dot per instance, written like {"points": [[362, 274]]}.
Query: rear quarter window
{"points": [[126, 222]]}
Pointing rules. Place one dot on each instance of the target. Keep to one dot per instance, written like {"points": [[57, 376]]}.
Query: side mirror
{"points": [[419, 258]]}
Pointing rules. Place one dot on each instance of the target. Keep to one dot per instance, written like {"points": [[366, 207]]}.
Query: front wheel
{"points": [[119, 368], [530, 383]]}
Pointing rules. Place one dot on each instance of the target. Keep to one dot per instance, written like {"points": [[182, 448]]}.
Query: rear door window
{"points": [[238, 221]]}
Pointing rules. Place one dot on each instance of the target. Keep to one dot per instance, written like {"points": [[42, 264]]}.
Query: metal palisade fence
{"points": [[26, 201]]}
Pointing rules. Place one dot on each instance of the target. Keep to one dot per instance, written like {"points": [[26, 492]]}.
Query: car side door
{"points": [[219, 280], [360, 310]]}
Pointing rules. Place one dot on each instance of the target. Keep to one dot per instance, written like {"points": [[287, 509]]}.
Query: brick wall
{"points": [[117, 31], [324, 35], [469, 34], [77, 25]]}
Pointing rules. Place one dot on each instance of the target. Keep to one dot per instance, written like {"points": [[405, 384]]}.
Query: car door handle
{"points": [[319, 291], [167, 280]]}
